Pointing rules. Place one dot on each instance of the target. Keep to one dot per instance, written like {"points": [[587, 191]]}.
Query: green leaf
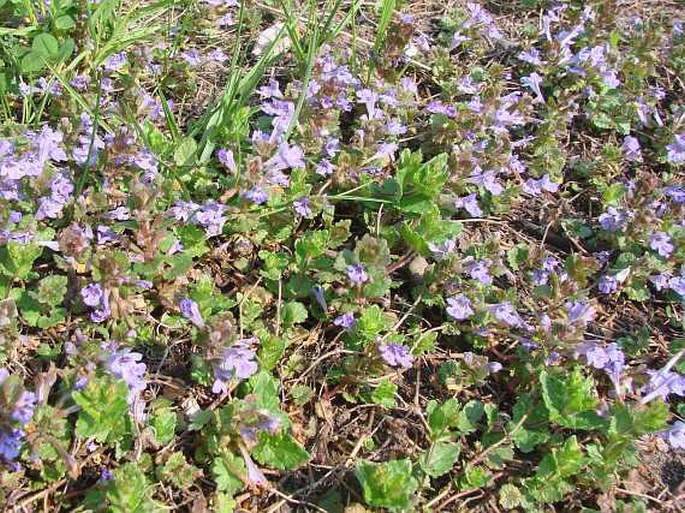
{"points": [[178, 471], [518, 255], [384, 394], [228, 471], [419, 184], [64, 22], [509, 496], [442, 417], [440, 458], [389, 484], [52, 289], [32, 62], [571, 402], [372, 322], [46, 46], [475, 477], [311, 245], [634, 422], [301, 394], [104, 410], [16, 260], [130, 491], [223, 503], [614, 194], [163, 420], [470, 416], [293, 313], [185, 154], [563, 462], [271, 350], [526, 440], [372, 251], [265, 389], [279, 451]]}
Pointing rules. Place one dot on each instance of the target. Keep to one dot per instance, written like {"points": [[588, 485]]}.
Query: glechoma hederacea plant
{"points": [[341, 256]]}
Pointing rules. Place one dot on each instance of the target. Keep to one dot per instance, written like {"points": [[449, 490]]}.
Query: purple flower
{"points": [[663, 382], [48, 145], [480, 271], [92, 294], [676, 193], [226, 20], [105, 235], [126, 365], [385, 150], [533, 81], [218, 55], [609, 358], [318, 293], [271, 90], [287, 157], [369, 99], [531, 56], [115, 62], [236, 362], [487, 180], [324, 168], [661, 243], [506, 313], [302, 207], [256, 195], [614, 220], [470, 204], [103, 313], [553, 358], [631, 149], [443, 250], [459, 307], [345, 321], [191, 311], [676, 150], [457, 39], [226, 158], [395, 127], [535, 187], [255, 477], [660, 281], [437, 107], [677, 285], [675, 435], [119, 214], [80, 82], [23, 407], [494, 367], [607, 284], [192, 57], [10, 443], [579, 312], [396, 355], [210, 217], [332, 147], [357, 274]]}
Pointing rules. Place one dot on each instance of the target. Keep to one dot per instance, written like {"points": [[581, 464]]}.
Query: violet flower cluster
{"points": [[664, 382], [609, 358], [396, 355], [236, 362], [127, 365], [14, 416]]}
